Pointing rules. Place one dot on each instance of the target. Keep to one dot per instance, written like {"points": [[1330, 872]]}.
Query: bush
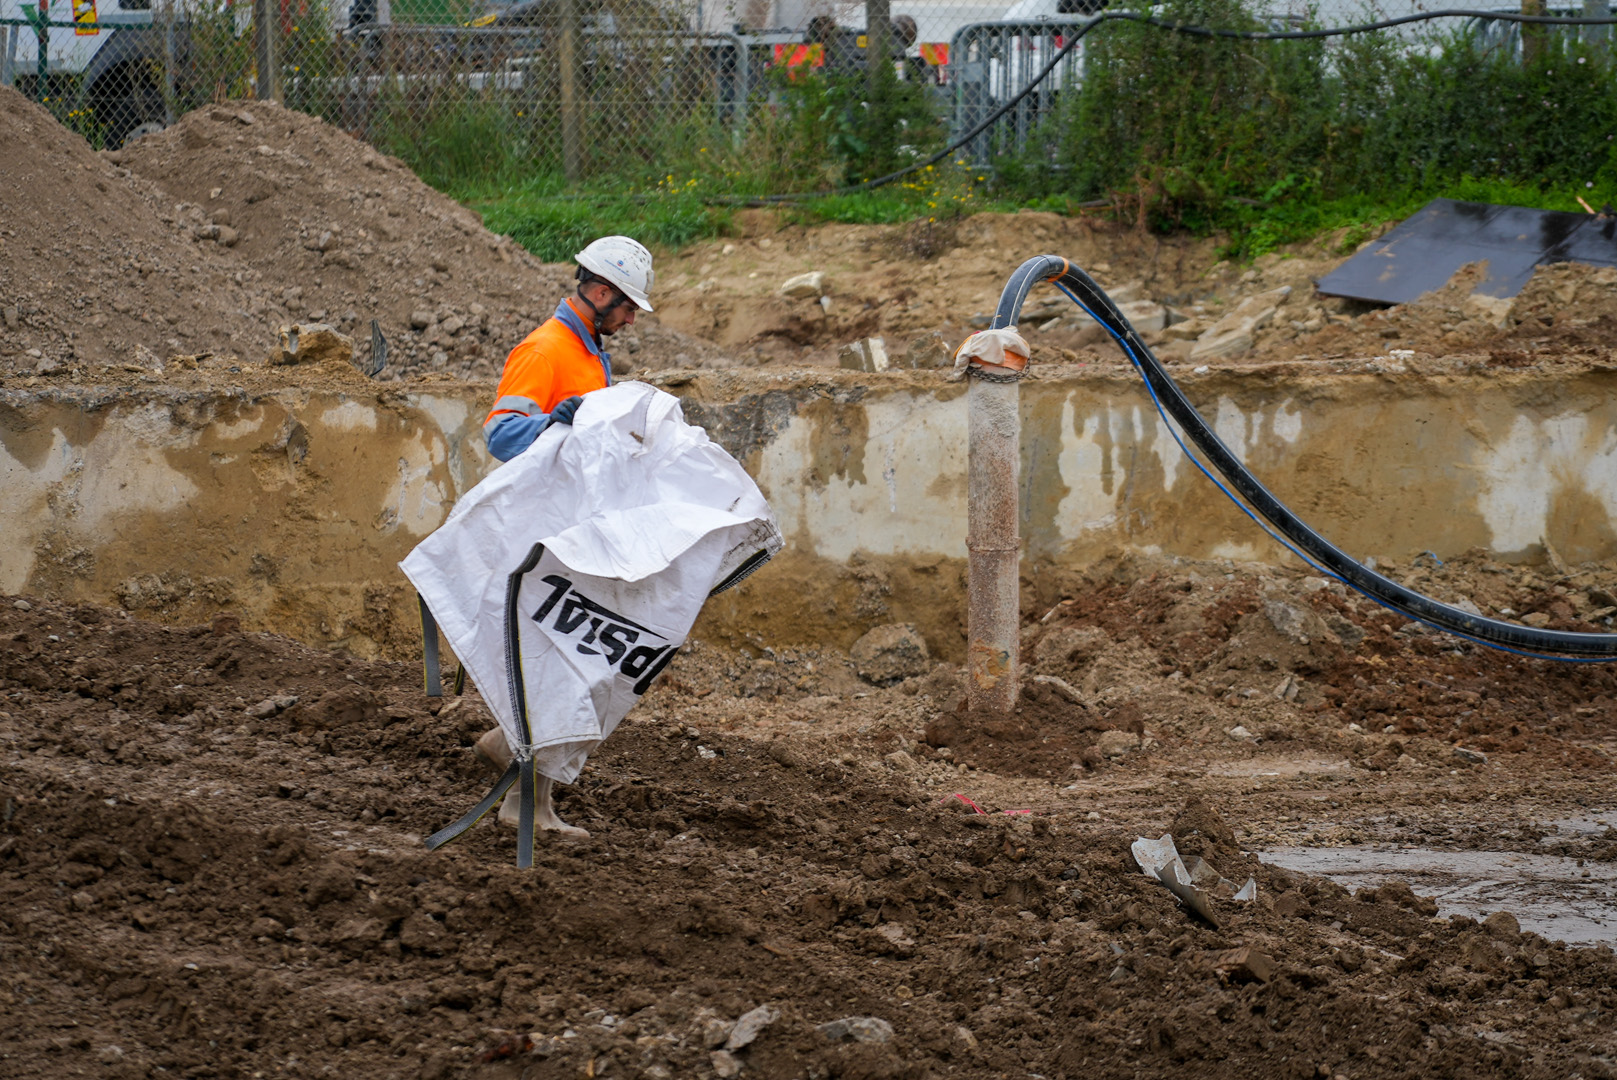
{"points": [[1274, 140]]}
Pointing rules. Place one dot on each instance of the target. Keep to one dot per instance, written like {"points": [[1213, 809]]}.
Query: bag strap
{"points": [[521, 767], [450, 832], [429, 651]]}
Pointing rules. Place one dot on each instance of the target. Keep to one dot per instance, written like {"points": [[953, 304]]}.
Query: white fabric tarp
{"points": [[640, 516]]}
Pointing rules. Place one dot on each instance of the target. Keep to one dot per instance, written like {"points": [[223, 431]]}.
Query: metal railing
{"points": [[990, 62]]}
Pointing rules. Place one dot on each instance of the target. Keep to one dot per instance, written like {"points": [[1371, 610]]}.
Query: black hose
{"points": [[1315, 548]]}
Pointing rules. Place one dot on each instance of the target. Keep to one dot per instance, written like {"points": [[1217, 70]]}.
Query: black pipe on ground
{"points": [[1303, 540]]}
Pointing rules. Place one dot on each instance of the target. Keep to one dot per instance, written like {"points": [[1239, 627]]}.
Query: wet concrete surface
{"points": [[1564, 899]]}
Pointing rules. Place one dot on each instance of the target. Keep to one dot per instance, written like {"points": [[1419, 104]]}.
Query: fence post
{"points": [[42, 30], [265, 53], [169, 89], [1532, 34], [571, 128], [878, 64]]}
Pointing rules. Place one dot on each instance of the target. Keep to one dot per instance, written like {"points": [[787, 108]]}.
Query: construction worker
{"points": [[544, 380], [547, 375]]}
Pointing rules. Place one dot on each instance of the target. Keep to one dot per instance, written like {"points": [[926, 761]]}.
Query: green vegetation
{"points": [[1264, 143], [1278, 141]]}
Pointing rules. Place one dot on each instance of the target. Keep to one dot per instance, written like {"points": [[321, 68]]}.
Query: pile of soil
{"points": [[923, 287], [207, 238], [335, 231], [99, 267], [210, 859]]}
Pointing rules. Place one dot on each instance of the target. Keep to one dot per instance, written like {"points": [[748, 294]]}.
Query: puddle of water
{"points": [[1547, 894]]}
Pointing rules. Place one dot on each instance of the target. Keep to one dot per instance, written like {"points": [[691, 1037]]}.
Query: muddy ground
{"points": [[211, 859], [200, 876]]}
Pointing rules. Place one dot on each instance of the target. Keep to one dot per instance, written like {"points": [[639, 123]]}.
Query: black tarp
{"points": [[1424, 252]]}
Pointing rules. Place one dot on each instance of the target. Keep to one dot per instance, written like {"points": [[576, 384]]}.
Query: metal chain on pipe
{"points": [[973, 371]]}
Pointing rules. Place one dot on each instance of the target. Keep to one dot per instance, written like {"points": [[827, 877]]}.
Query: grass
{"points": [[1350, 220], [553, 223]]}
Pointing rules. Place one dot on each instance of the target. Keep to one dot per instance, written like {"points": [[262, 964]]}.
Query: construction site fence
{"points": [[563, 86]]}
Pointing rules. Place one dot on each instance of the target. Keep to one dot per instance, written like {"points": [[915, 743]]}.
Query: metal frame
{"points": [[990, 62]]}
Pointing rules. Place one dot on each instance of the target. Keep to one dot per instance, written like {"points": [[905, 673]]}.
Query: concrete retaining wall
{"points": [[291, 506]]}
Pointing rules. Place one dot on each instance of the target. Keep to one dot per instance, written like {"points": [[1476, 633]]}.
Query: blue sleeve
{"points": [[515, 433]]}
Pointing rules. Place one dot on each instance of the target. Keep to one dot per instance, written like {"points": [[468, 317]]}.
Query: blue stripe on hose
{"points": [[1276, 536]]}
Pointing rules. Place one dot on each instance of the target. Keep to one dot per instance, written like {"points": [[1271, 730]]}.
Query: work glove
{"points": [[564, 411]]}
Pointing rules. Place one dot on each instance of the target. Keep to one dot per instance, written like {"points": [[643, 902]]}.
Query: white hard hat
{"points": [[623, 263]]}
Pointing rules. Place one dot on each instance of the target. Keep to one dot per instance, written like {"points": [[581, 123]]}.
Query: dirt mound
{"points": [[328, 229], [878, 281], [99, 268]]}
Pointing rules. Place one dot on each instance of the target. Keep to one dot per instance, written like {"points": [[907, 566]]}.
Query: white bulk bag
{"points": [[591, 553]]}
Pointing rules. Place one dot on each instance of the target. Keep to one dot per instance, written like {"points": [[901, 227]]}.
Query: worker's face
{"points": [[622, 308]]}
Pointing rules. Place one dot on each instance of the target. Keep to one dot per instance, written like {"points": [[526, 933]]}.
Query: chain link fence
{"points": [[779, 94], [574, 87]]}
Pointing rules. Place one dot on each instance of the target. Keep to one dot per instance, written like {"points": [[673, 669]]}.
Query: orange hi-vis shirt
{"points": [[557, 361]]}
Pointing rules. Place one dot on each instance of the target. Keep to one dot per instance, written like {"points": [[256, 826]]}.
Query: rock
{"points": [[804, 286], [1068, 647], [895, 934], [22, 605], [716, 1032], [1146, 316], [1127, 293], [1189, 330], [1493, 310], [313, 343], [750, 1025], [901, 759], [226, 236], [1290, 621], [272, 705], [866, 354], [1114, 744], [356, 936], [725, 1064], [890, 654], [1502, 925], [422, 933], [928, 351], [1240, 733], [1245, 964], [1470, 757], [1292, 904], [1062, 688], [1536, 619], [420, 320], [785, 754], [452, 325], [865, 1029], [1232, 335]]}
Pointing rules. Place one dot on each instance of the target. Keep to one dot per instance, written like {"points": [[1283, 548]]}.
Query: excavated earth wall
{"points": [[290, 506]]}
